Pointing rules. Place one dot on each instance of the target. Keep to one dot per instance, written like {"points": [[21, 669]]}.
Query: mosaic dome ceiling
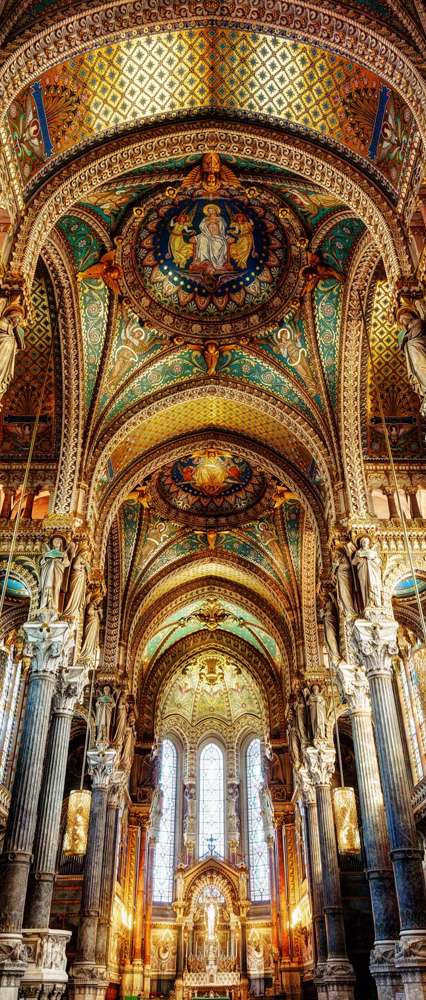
{"points": [[212, 686], [211, 258], [212, 486]]}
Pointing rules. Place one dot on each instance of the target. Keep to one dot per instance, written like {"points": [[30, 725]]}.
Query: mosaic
{"points": [[192, 70], [204, 258], [211, 483]]}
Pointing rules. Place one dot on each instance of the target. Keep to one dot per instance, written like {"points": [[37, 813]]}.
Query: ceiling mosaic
{"points": [[191, 70], [212, 687], [20, 402], [400, 403]]}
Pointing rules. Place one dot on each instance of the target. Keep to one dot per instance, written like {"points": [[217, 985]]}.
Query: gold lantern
{"points": [[346, 821], [75, 839]]}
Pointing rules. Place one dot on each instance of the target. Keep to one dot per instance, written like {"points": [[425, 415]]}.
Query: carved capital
{"points": [[375, 644], [100, 763], [69, 690], [306, 786], [319, 763], [353, 686], [47, 646]]}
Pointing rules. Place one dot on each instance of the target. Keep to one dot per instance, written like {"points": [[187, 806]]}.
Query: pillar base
{"points": [[291, 981], [13, 962], [137, 977], [45, 975], [87, 981], [338, 979], [382, 968], [410, 961]]}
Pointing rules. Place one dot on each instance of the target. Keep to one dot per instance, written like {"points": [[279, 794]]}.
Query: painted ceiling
{"points": [[212, 687], [189, 70]]}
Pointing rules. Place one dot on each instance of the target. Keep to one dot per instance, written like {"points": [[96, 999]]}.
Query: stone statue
{"points": [[267, 811], [318, 713], [12, 325], [120, 723], [330, 620], [292, 733], [52, 569], [301, 718], [129, 740], [92, 623], [105, 705], [366, 561], [156, 812], [343, 575], [77, 582], [232, 812], [413, 342]]}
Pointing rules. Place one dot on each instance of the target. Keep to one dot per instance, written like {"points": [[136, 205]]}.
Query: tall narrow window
{"points": [[258, 851], [164, 855], [211, 808]]}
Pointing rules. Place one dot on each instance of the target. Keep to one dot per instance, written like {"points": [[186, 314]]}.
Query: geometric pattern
{"points": [[200, 69], [400, 402], [94, 299]]}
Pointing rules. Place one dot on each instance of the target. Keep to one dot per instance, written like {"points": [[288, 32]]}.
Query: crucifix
{"points": [[211, 844]]}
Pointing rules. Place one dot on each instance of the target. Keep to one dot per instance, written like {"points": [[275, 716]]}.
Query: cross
{"points": [[211, 844]]}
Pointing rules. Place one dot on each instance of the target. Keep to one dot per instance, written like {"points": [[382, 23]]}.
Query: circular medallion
{"points": [[201, 266], [212, 485]]}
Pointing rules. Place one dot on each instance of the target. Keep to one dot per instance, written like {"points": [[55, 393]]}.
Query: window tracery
{"points": [[164, 854], [257, 849], [211, 834]]}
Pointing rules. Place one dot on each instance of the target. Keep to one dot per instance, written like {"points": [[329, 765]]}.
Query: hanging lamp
{"points": [[79, 802]]}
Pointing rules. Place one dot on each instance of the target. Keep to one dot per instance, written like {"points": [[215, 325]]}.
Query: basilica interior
{"points": [[212, 500]]}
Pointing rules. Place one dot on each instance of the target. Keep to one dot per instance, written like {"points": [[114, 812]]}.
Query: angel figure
{"points": [[318, 713], [12, 326], [141, 494], [92, 623], [343, 575], [313, 272], [105, 705], [107, 269], [413, 342], [367, 563]]}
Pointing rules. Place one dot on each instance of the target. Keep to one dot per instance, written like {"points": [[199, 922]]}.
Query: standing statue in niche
{"points": [[413, 342], [318, 713], [52, 568], [368, 567], [330, 619], [267, 811], [12, 326], [343, 575], [77, 582], [92, 624], [105, 705], [292, 733]]}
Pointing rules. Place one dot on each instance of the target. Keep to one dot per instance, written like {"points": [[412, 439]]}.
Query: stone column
{"points": [[282, 895], [148, 914], [48, 647], [338, 977], [141, 815], [274, 902], [314, 848], [39, 898], [376, 644], [353, 685], [109, 872], [89, 981]]}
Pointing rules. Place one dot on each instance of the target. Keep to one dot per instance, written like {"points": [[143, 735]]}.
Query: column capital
{"points": [[68, 691], [100, 762], [353, 687], [47, 646], [375, 643], [306, 786], [320, 763]]}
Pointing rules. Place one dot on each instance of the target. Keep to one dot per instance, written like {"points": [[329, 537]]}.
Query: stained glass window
{"points": [[258, 851], [164, 855], [211, 802]]}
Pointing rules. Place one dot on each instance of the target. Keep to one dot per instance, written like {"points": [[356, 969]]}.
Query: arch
{"points": [[297, 155]]}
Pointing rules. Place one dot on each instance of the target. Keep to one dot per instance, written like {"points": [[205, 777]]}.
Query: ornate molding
{"points": [[375, 643], [100, 764]]}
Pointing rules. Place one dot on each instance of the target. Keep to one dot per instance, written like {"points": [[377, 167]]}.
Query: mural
{"points": [[211, 482], [253, 74]]}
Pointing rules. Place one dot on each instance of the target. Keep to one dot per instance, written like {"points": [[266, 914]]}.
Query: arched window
{"points": [[211, 836], [258, 851], [164, 855]]}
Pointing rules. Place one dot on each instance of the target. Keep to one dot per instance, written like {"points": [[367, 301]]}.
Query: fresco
{"points": [[211, 482], [253, 74]]}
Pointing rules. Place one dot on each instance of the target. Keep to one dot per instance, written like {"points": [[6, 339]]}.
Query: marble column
{"points": [[376, 644], [68, 690], [148, 913], [48, 646], [109, 867], [88, 978], [310, 805], [353, 686], [282, 894], [141, 816], [338, 976]]}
